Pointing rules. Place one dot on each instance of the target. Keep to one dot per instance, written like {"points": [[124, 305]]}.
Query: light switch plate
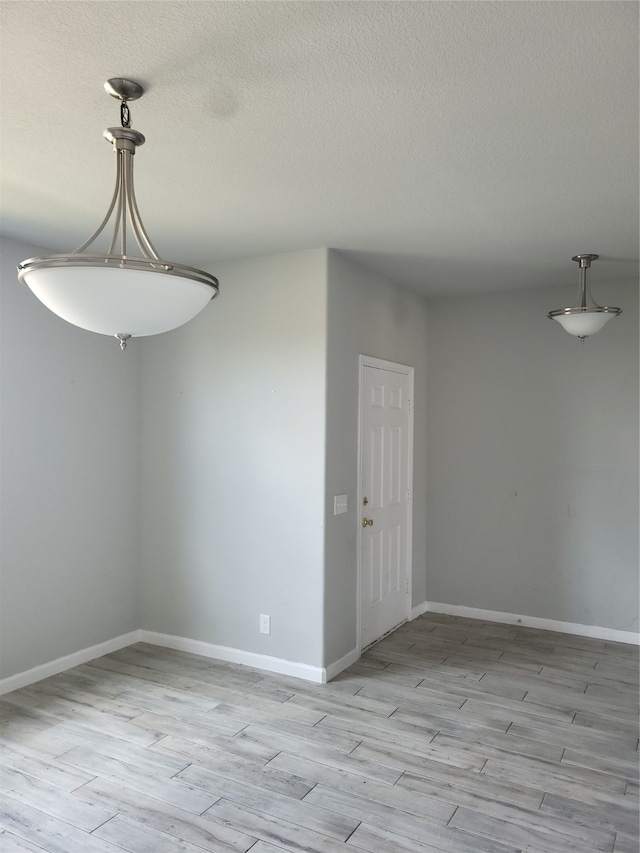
{"points": [[339, 504]]}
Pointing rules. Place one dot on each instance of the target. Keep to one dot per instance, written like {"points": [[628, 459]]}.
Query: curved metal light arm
{"points": [[125, 141], [106, 219], [123, 203], [142, 238], [116, 226]]}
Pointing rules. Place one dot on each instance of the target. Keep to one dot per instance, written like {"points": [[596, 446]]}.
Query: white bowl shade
{"points": [[119, 301], [585, 323]]}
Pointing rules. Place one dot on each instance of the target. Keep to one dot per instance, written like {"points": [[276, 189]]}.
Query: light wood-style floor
{"points": [[450, 735]]}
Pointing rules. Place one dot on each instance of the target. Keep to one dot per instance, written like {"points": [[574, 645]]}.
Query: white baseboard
{"points": [[271, 664], [37, 673], [611, 634], [337, 666], [317, 674], [419, 610]]}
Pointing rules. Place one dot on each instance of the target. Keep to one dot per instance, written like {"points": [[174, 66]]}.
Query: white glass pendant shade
{"points": [[585, 317], [583, 323], [121, 294], [115, 301]]}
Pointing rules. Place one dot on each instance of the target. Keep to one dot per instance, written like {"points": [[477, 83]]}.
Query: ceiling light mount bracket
{"points": [[125, 138], [123, 89], [585, 260]]}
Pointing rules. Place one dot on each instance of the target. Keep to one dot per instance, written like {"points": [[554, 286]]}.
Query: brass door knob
{"points": [[367, 522]]}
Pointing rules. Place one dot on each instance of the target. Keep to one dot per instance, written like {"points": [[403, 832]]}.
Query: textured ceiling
{"points": [[455, 146]]}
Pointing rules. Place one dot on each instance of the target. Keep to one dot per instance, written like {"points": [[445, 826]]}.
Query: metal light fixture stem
{"points": [[585, 317], [120, 294]]}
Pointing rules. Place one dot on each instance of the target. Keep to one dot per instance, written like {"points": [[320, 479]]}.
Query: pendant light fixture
{"points": [[584, 318], [118, 293]]}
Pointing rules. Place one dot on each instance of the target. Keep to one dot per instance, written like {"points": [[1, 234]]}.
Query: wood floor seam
{"points": [[450, 735]]}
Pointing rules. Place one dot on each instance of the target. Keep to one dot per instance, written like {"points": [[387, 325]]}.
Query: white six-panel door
{"points": [[385, 497]]}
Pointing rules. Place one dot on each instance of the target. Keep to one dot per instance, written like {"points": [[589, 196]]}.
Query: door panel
{"points": [[385, 452], [395, 559]]}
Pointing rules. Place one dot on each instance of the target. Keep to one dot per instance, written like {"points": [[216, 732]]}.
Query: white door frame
{"points": [[393, 367]]}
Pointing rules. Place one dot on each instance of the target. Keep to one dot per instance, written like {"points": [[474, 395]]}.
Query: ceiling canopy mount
{"points": [[123, 90]]}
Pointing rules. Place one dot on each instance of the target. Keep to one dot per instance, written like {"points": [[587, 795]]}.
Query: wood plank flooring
{"points": [[449, 735]]}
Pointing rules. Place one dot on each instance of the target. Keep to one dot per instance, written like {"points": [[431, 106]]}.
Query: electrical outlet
{"points": [[265, 624]]}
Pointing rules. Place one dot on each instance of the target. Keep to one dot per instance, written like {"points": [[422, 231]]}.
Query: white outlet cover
{"points": [[339, 504]]}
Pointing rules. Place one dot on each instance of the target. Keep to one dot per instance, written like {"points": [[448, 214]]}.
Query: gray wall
{"points": [[533, 459], [68, 523], [366, 315], [211, 442], [233, 463]]}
